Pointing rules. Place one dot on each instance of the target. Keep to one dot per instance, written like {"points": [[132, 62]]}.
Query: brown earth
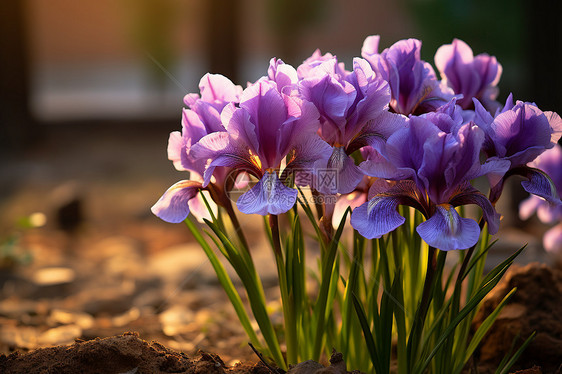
{"points": [[536, 306]]}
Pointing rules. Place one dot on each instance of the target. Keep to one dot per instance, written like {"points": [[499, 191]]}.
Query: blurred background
{"points": [[89, 91]]}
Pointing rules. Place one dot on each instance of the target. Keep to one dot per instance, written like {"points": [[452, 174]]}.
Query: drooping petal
{"points": [[309, 152], [470, 195], [540, 184], [377, 131], [268, 196], [340, 175], [220, 149], [173, 205], [377, 216], [447, 230], [494, 169]]}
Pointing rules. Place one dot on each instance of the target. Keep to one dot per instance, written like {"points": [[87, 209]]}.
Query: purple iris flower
{"points": [[308, 66], [472, 77], [551, 163], [202, 118], [353, 108], [413, 84], [433, 169], [267, 127], [520, 133]]}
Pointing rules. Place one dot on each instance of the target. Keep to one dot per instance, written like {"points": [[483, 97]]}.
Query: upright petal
{"points": [[370, 46], [281, 73], [521, 134], [268, 112], [447, 230], [216, 87]]}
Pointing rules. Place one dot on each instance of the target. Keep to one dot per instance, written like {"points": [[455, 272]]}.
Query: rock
{"points": [[535, 306], [65, 317], [177, 320], [337, 366], [59, 335], [53, 276]]}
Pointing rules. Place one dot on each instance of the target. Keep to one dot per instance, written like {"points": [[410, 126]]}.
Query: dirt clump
{"points": [[535, 307]]}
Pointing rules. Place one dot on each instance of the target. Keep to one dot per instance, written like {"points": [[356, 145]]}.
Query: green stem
{"points": [[236, 224]]}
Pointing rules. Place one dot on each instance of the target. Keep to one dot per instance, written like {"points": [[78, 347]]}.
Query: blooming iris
{"points": [[202, 118], [413, 84], [472, 77], [316, 117], [353, 108], [433, 160], [518, 134], [267, 127]]}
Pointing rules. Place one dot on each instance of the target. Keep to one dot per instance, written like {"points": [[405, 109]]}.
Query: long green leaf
{"points": [[471, 305], [256, 297], [226, 284], [369, 340], [320, 309], [483, 328], [504, 367]]}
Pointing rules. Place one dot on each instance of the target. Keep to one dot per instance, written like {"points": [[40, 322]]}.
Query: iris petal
{"points": [[540, 184], [173, 205], [268, 196], [447, 230], [377, 217], [342, 167], [470, 195], [552, 239]]}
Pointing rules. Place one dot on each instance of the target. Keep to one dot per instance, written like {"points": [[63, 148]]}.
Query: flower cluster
{"points": [[388, 132]]}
